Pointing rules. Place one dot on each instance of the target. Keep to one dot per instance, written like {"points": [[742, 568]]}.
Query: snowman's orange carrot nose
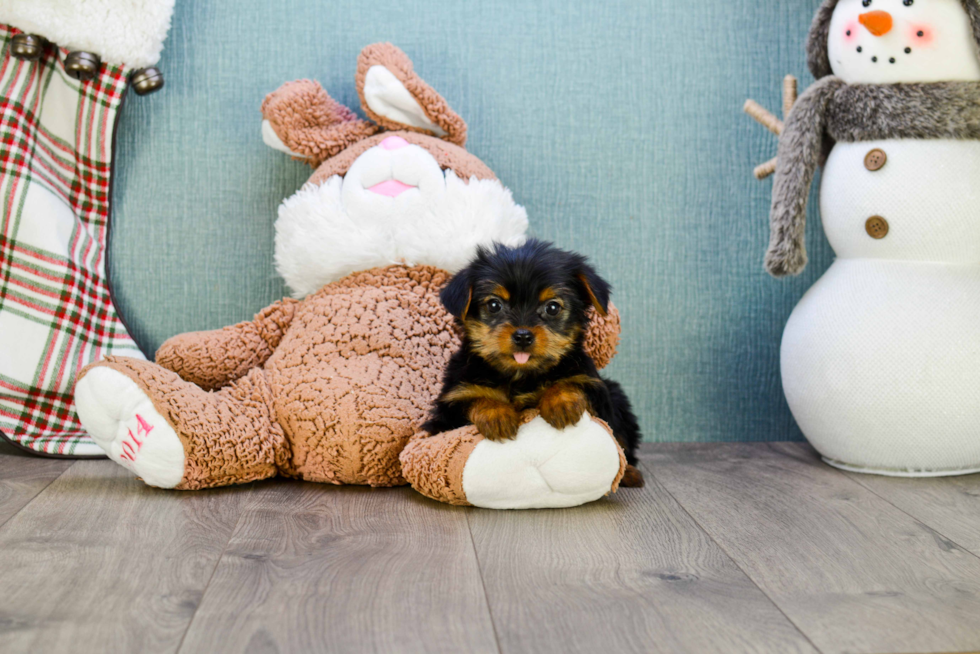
{"points": [[878, 23]]}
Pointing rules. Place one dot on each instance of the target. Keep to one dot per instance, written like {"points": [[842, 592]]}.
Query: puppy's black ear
{"points": [[458, 293], [595, 289]]}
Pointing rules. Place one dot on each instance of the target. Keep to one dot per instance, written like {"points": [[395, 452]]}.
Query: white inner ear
{"points": [[389, 98], [270, 138]]}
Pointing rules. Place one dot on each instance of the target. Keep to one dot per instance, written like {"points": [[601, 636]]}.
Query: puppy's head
{"points": [[524, 308]]}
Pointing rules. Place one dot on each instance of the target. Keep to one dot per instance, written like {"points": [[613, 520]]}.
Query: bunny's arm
{"points": [[213, 359]]}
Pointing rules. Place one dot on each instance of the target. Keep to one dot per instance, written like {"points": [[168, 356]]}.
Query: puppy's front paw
{"points": [[562, 405], [496, 420]]}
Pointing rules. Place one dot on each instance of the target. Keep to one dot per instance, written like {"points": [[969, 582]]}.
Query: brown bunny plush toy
{"points": [[333, 384]]}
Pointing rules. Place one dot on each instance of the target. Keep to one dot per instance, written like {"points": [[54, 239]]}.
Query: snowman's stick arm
{"points": [[765, 170], [763, 117], [772, 122]]}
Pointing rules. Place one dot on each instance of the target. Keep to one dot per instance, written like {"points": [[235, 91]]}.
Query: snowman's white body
{"points": [[881, 358]]}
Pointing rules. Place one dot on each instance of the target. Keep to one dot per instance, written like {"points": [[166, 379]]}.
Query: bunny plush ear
{"points": [[396, 98], [303, 121]]}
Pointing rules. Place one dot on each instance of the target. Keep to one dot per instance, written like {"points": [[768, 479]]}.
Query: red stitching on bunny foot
{"points": [[131, 445]]}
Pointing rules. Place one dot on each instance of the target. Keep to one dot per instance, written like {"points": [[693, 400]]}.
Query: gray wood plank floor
{"points": [[22, 477], [729, 548], [316, 567]]}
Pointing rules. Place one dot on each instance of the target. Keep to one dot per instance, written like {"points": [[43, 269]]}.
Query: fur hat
{"points": [[816, 46]]}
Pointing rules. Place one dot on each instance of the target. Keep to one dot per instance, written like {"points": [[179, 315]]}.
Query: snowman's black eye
{"points": [[920, 33], [866, 3], [908, 3]]}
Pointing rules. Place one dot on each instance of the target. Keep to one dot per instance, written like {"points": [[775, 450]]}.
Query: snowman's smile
{"points": [[881, 47], [880, 55]]}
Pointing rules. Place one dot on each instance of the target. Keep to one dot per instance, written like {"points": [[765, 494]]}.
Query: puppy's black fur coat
{"points": [[529, 302]]}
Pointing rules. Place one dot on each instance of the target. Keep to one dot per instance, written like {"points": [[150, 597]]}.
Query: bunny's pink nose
{"points": [[393, 143]]}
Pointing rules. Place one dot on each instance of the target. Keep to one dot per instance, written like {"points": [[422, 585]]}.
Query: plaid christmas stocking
{"points": [[56, 310]]}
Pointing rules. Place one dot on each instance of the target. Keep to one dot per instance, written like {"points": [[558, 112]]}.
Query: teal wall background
{"points": [[617, 124]]}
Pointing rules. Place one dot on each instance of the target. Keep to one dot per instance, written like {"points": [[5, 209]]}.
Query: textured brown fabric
{"points": [[434, 465], [311, 123], [433, 104], [357, 372], [447, 155], [229, 437], [602, 336], [622, 455], [213, 359], [353, 370]]}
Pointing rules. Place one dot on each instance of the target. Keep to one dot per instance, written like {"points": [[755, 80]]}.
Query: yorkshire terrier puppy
{"points": [[523, 314]]}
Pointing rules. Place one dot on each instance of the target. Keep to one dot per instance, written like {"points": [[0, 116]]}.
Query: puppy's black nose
{"points": [[523, 338]]}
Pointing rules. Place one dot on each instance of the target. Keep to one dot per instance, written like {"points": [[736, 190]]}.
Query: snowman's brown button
{"points": [[877, 227], [875, 160]]}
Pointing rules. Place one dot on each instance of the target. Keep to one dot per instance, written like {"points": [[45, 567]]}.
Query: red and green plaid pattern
{"points": [[56, 313]]}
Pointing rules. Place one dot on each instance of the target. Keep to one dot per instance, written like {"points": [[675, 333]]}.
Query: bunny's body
{"points": [[334, 384]]}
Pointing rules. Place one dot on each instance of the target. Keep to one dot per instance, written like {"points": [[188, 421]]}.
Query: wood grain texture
{"points": [[853, 572], [950, 505], [99, 562], [632, 573], [22, 477], [320, 568]]}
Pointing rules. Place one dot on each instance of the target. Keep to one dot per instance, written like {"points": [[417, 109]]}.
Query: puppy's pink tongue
{"points": [[522, 357]]}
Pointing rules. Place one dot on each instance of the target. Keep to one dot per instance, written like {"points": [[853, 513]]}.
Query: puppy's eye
{"points": [[494, 306], [552, 308]]}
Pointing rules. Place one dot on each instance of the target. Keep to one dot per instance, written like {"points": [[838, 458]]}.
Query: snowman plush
{"points": [[881, 358]]}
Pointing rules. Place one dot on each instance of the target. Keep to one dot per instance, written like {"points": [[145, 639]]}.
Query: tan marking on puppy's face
{"points": [[550, 346], [494, 343]]}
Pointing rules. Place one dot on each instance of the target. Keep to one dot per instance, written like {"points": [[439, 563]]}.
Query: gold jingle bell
{"points": [[82, 65], [27, 46], [147, 80]]}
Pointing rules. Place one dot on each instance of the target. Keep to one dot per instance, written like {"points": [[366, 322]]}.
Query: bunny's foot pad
{"points": [[541, 468], [121, 418]]}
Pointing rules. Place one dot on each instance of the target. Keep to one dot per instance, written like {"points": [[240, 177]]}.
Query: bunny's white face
{"points": [[391, 179], [395, 205], [902, 41]]}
